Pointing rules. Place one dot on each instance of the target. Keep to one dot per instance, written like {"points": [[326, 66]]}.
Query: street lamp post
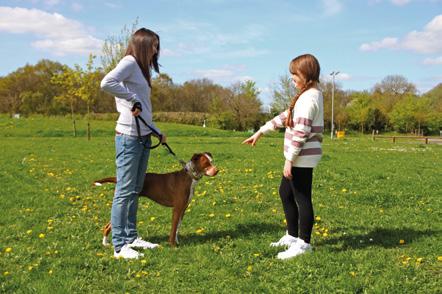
{"points": [[332, 125]]}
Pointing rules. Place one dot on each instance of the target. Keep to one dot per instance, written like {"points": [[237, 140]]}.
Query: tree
{"points": [[244, 105], [70, 81], [89, 89], [114, 47], [358, 109], [283, 92]]}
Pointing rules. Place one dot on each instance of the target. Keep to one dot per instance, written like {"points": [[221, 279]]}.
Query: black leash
{"points": [[160, 137]]}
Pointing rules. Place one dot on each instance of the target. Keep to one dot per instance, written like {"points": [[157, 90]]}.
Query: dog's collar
{"points": [[190, 169]]}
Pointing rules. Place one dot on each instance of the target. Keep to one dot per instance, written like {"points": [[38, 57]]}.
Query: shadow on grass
{"points": [[240, 231], [378, 237]]}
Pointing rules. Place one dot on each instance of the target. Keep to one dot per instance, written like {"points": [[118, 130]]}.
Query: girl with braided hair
{"points": [[304, 123]]}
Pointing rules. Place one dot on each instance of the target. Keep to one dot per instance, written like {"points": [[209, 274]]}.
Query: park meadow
{"points": [[377, 215]]}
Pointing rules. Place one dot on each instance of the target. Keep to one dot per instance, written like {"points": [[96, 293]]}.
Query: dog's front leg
{"points": [[176, 215]]}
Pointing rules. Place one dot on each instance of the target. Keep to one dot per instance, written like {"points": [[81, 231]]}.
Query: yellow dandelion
{"points": [[401, 241], [325, 235], [274, 210], [250, 268], [211, 215], [30, 268], [50, 174], [353, 274], [41, 236], [381, 210], [228, 215], [419, 260], [99, 254], [284, 221], [344, 190], [50, 272], [317, 218], [256, 254], [6, 273], [138, 275], [317, 233], [9, 249], [439, 258], [200, 231], [152, 218], [143, 261]]}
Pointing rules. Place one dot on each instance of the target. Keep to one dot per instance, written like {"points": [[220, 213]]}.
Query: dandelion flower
{"points": [[228, 215], [318, 218], [9, 249], [5, 273], [152, 218], [200, 231], [439, 258], [211, 215], [143, 261], [419, 260], [353, 274], [249, 268], [29, 232], [402, 242], [344, 190], [50, 272], [41, 236]]}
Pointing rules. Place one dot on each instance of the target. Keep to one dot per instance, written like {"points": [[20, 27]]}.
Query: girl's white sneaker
{"points": [[127, 253], [140, 243], [285, 240], [295, 249]]}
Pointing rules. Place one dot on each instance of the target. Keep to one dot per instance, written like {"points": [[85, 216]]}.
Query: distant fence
{"points": [[424, 139]]}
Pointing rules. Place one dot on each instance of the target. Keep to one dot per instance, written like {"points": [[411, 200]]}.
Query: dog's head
{"points": [[203, 164]]}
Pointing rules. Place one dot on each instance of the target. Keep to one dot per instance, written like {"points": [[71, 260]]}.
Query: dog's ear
{"points": [[196, 157]]}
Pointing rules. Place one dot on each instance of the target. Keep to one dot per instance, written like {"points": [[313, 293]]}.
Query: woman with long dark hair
{"points": [[130, 83]]}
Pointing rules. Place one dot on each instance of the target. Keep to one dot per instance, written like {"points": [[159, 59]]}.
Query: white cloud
{"points": [[224, 75], [425, 41], [55, 32], [331, 7], [206, 39], [400, 2], [384, 43], [433, 61], [342, 76]]}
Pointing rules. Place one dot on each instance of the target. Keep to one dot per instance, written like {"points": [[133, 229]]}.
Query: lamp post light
{"points": [[332, 125]]}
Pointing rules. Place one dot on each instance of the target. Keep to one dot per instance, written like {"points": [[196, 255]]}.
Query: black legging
{"points": [[296, 196]]}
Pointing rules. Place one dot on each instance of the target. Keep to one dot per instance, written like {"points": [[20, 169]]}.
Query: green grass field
{"points": [[377, 207]]}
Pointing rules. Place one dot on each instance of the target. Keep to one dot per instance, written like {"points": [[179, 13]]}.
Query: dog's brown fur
{"points": [[171, 189]]}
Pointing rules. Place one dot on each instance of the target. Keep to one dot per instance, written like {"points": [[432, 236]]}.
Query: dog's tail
{"points": [[105, 180]]}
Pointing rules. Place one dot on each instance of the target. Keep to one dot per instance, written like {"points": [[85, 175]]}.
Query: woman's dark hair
{"points": [[308, 69], [142, 45]]}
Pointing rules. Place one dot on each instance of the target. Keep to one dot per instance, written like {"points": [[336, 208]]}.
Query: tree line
{"points": [[51, 88]]}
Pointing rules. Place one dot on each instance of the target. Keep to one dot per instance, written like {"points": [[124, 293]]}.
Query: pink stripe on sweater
{"points": [[310, 151], [303, 121], [317, 129]]}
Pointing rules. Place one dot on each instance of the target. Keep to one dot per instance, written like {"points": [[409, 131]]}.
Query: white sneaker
{"points": [[127, 253], [140, 243], [286, 240], [298, 248]]}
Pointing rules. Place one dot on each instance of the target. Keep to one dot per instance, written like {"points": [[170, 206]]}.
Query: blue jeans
{"points": [[131, 161]]}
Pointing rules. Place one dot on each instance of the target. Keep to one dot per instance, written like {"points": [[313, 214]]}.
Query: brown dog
{"points": [[172, 189]]}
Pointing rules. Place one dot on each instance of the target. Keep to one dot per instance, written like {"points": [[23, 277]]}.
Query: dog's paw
{"points": [[105, 242]]}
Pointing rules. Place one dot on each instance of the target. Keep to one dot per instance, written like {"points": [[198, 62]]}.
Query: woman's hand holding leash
{"points": [[253, 139], [136, 109]]}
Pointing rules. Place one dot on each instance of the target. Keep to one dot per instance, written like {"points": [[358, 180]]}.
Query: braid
{"points": [[289, 121]]}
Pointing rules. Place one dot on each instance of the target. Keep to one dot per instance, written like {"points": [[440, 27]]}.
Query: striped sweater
{"points": [[302, 143]]}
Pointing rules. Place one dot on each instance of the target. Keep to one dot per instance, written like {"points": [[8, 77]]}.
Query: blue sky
{"points": [[233, 40]]}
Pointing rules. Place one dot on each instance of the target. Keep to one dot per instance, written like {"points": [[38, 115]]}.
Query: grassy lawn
{"points": [[377, 207]]}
